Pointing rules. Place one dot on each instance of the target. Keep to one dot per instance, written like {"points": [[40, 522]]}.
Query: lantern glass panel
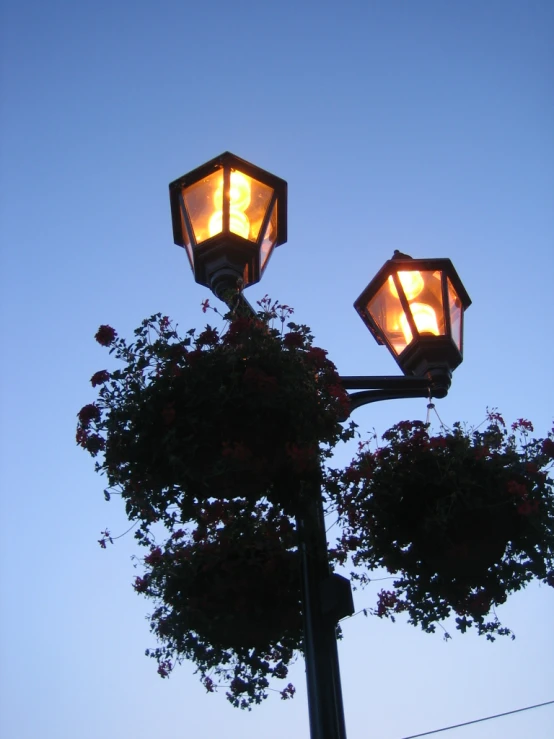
{"points": [[204, 200], [185, 234], [270, 237], [258, 202], [455, 307], [386, 310], [423, 291]]}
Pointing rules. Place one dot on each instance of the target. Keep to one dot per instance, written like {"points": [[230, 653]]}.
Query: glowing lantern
{"points": [[416, 307], [229, 215]]}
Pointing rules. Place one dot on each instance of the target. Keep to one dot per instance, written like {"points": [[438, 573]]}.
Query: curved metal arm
{"points": [[376, 388]]}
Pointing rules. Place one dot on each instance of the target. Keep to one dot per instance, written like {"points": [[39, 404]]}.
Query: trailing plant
{"points": [[461, 519], [250, 412], [227, 597], [213, 440]]}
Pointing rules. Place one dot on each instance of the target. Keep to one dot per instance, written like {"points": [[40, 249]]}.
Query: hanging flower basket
{"points": [[247, 413], [227, 597], [463, 518], [218, 437]]}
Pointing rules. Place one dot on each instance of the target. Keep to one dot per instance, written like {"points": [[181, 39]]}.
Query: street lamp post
{"points": [[230, 215]]}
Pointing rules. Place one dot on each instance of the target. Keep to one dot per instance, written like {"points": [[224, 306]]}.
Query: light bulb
{"points": [[412, 284], [238, 223], [239, 200], [239, 192], [425, 320]]}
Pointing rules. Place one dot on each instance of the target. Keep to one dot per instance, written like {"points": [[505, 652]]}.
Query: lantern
{"points": [[416, 308], [229, 215]]}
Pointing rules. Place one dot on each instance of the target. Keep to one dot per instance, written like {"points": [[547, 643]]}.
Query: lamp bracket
{"points": [[376, 388]]}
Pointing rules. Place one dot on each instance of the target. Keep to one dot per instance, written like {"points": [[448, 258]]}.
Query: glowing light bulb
{"points": [[239, 192], [238, 223], [239, 200], [425, 320], [412, 284]]}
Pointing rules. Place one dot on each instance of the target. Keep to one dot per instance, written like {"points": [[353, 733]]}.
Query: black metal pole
{"points": [[326, 712]]}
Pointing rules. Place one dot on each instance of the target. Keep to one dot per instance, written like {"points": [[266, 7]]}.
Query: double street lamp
{"points": [[229, 216]]}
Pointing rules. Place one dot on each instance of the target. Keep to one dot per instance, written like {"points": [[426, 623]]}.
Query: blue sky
{"points": [[423, 126]]}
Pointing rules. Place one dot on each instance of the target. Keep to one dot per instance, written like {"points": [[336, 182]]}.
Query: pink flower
{"points": [[522, 425], [495, 417], [105, 335]]}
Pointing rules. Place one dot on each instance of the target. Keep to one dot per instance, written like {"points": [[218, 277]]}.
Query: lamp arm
{"points": [[376, 388]]}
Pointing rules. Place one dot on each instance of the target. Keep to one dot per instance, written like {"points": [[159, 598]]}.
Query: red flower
{"points": [[164, 668], [81, 437], [388, 601], [208, 337], [338, 392], [516, 488], [548, 448], [99, 378], [154, 557], [205, 305], [88, 413], [288, 692], [257, 378], [141, 584], [317, 356], [105, 335], [528, 507], [293, 340]]}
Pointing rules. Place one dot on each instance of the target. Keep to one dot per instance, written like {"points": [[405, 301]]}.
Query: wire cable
{"points": [[478, 720]]}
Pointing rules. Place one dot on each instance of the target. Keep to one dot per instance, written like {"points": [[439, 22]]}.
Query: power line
{"points": [[478, 720]]}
